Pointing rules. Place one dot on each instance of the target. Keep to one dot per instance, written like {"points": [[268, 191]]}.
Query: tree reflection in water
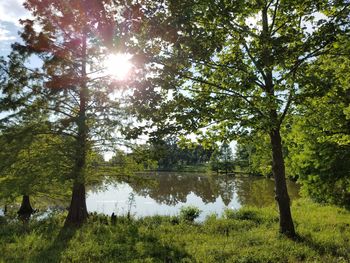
{"points": [[174, 188]]}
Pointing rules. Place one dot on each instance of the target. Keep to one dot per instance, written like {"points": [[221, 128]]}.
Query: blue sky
{"points": [[10, 12]]}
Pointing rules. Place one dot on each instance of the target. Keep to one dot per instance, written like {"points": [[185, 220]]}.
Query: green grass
{"points": [[246, 235]]}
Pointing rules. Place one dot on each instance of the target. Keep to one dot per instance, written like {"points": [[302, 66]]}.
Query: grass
{"points": [[247, 235]]}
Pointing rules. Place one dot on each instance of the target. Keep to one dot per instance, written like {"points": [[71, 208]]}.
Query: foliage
{"points": [[215, 161], [33, 161], [321, 167], [250, 236], [189, 213], [143, 155], [122, 164], [170, 155], [318, 137], [224, 68], [211, 62], [71, 86], [253, 154], [38, 168], [222, 159]]}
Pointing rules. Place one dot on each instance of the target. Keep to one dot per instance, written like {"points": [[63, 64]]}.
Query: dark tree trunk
{"points": [[282, 198], [77, 214], [26, 210]]}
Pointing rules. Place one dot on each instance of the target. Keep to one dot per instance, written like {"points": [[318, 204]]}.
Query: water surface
{"points": [[166, 193]]}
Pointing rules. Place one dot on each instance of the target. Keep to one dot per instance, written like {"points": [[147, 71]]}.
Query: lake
{"points": [[165, 193]]}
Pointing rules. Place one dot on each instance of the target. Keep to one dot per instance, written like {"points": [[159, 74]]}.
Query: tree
{"points": [[321, 166], [33, 161], [222, 159], [169, 154], [142, 154], [253, 154], [319, 139], [33, 165], [72, 38], [226, 157], [232, 66], [126, 164], [215, 161]]}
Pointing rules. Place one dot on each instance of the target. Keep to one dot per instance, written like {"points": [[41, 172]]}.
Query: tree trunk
{"points": [[282, 198], [26, 210], [77, 214], [278, 168]]}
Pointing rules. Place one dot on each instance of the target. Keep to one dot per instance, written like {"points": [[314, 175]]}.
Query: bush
{"points": [[189, 213], [252, 214]]}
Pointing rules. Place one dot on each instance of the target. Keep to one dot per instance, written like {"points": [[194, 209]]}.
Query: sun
{"points": [[118, 65]]}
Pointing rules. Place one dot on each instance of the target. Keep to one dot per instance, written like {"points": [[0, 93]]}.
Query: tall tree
{"points": [[232, 66], [73, 39]]}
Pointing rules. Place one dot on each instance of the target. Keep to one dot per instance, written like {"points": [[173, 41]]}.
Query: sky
{"points": [[10, 13]]}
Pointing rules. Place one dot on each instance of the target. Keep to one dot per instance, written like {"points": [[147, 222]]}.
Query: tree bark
{"points": [[282, 198], [77, 214], [26, 210]]}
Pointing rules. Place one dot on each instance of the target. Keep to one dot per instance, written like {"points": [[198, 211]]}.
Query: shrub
{"points": [[189, 213]]}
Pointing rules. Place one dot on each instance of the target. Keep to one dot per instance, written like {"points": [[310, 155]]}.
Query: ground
{"points": [[246, 235]]}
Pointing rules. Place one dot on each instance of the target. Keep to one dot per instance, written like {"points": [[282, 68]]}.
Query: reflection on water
{"points": [[165, 193]]}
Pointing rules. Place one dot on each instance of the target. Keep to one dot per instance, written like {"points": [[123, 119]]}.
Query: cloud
{"points": [[12, 11], [6, 35]]}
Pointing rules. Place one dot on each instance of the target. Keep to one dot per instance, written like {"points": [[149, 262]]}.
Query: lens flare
{"points": [[118, 65]]}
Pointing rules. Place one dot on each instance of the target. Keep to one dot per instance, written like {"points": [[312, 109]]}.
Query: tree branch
{"points": [[222, 88], [285, 111], [274, 16], [253, 59]]}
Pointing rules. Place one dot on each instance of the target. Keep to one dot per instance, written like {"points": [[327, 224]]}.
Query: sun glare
{"points": [[118, 65]]}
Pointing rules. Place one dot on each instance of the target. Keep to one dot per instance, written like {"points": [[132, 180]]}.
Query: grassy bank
{"points": [[199, 168], [247, 235]]}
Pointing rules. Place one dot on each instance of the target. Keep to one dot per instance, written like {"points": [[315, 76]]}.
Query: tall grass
{"points": [[247, 235]]}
